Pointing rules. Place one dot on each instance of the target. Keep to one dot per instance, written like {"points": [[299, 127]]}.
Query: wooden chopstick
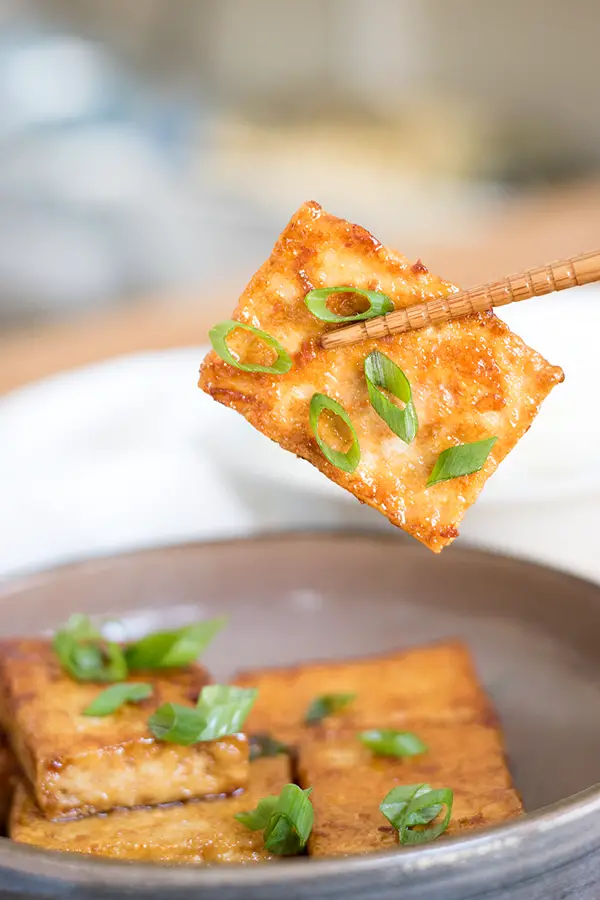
{"points": [[557, 276]]}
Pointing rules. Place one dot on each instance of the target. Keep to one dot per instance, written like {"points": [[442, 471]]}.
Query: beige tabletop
{"points": [[535, 229]]}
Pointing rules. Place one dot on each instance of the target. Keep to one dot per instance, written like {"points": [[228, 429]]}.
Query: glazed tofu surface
{"points": [[349, 783], [433, 684], [79, 764], [471, 379], [199, 831]]}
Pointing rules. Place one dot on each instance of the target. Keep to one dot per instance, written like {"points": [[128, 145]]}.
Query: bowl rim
{"points": [[532, 838]]}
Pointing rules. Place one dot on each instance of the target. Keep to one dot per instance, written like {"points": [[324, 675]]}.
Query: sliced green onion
{"points": [[265, 745], [287, 820], [409, 807], [221, 710], [326, 705], [225, 708], [387, 742], [257, 819], [381, 372], [218, 338], [81, 628], [115, 696], [394, 804], [379, 304], [172, 649], [347, 461], [177, 724], [461, 460], [85, 655]]}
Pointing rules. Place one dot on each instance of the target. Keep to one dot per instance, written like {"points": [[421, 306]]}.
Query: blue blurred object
{"points": [[95, 195]]}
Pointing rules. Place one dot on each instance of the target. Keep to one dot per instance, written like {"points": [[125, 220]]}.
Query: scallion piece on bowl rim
{"points": [[346, 461], [382, 372], [379, 304], [218, 337]]}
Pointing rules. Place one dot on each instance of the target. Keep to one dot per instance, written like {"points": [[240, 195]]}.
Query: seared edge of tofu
{"points": [[198, 831]]}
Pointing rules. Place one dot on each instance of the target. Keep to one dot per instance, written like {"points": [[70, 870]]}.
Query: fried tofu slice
{"points": [[8, 773], [199, 831], [434, 692], [436, 684], [349, 783], [471, 379], [80, 765]]}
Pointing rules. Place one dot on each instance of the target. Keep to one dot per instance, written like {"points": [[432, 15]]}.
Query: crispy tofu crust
{"points": [[471, 379], [349, 784], [8, 772], [199, 831], [80, 765], [434, 684]]}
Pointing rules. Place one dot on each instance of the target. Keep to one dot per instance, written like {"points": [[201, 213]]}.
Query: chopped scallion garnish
{"points": [[464, 459], [316, 300], [409, 807], [221, 710], [381, 372], [346, 461], [85, 655], [286, 820], [218, 338], [172, 649], [115, 696], [265, 745], [326, 705], [387, 742]]}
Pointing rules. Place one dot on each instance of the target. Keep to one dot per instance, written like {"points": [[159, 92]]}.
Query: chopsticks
{"points": [[557, 276]]}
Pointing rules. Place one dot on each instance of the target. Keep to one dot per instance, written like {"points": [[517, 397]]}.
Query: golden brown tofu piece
{"points": [[349, 783], [433, 684], [200, 831], [471, 379], [8, 772], [81, 765]]}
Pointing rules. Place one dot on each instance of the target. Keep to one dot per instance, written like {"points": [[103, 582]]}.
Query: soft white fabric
{"points": [[130, 454]]}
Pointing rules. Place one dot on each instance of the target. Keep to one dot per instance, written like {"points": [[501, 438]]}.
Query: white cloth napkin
{"points": [[131, 454]]}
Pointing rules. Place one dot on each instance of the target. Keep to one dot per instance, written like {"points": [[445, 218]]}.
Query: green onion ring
{"points": [[347, 461], [316, 300], [382, 372], [218, 338]]}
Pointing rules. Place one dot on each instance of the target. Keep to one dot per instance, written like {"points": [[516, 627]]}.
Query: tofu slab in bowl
{"points": [[491, 661]]}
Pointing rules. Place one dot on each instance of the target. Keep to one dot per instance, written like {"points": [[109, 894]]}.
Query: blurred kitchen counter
{"points": [[533, 229]]}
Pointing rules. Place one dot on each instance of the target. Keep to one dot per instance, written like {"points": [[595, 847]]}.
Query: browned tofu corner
{"points": [[79, 765], [349, 783], [471, 379], [199, 831]]}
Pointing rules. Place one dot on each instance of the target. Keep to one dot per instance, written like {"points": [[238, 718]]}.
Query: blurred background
{"points": [[151, 151], [156, 147]]}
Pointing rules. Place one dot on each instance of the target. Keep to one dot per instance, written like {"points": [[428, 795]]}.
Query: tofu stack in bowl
{"points": [[162, 765]]}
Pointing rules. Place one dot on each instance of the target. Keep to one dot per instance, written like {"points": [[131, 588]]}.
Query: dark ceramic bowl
{"points": [[534, 633]]}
